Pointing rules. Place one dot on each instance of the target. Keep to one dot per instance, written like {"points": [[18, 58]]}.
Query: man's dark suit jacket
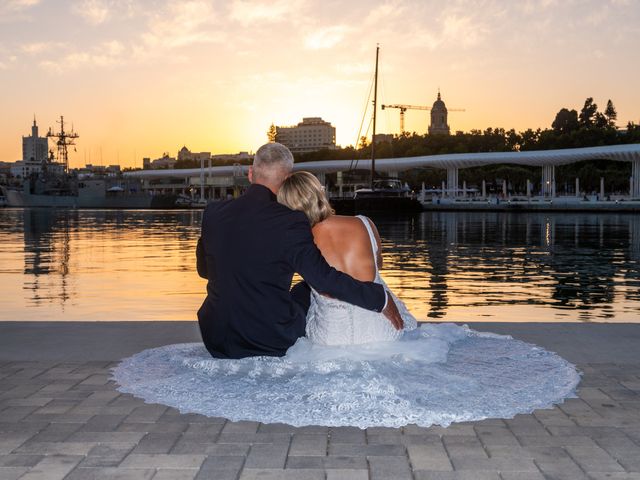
{"points": [[249, 249]]}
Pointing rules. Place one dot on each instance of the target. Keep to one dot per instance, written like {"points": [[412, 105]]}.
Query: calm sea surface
{"points": [[140, 265]]}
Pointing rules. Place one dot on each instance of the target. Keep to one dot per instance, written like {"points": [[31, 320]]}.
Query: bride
{"points": [[353, 367], [351, 245]]}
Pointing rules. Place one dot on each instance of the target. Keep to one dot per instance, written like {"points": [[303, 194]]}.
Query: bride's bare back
{"points": [[344, 243]]}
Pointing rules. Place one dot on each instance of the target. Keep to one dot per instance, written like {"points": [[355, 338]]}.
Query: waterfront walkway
{"points": [[61, 417]]}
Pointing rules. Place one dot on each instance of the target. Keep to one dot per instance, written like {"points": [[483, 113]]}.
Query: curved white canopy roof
{"points": [[623, 153]]}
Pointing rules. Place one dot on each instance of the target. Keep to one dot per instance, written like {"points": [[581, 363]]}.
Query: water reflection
{"points": [[448, 266], [511, 267]]}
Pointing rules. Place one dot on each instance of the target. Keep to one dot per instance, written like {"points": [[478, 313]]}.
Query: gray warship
{"points": [[55, 186]]}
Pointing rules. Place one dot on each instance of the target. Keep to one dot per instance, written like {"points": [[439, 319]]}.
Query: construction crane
{"points": [[404, 108]]}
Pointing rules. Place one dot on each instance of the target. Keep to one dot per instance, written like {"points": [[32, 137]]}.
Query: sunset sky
{"points": [[138, 78]]}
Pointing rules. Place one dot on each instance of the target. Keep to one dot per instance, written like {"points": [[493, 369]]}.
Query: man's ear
{"points": [[250, 174]]}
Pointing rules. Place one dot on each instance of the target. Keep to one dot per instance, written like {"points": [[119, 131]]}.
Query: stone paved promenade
{"points": [[61, 418]]}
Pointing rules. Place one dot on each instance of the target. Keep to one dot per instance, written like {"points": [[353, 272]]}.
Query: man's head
{"points": [[271, 165]]}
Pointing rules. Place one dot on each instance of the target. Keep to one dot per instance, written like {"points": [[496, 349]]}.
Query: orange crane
{"points": [[404, 108]]}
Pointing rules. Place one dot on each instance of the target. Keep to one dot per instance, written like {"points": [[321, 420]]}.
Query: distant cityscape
{"points": [[310, 135]]}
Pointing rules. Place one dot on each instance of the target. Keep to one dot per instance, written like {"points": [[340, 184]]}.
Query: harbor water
{"points": [[99, 265]]}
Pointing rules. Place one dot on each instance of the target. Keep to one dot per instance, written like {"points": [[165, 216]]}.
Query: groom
{"points": [[249, 250]]}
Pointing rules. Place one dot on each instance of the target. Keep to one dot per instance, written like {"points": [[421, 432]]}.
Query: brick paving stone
{"points": [[429, 457], [110, 473], [146, 413], [241, 427], [593, 459], [461, 475], [308, 462], [221, 468], [277, 428], [171, 414], [157, 443], [26, 402], [308, 445], [12, 473], [497, 464], [19, 460], [356, 450], [106, 437], [420, 439], [553, 417], [210, 430], [162, 461], [347, 435], [614, 476], [276, 474], [254, 438], [267, 456], [390, 468], [207, 448], [347, 474], [452, 430], [103, 423], [495, 435], [56, 418], [559, 467], [313, 430], [554, 441], [12, 441], [54, 467], [175, 474], [15, 414], [522, 476], [107, 455], [385, 438], [328, 463], [53, 448]]}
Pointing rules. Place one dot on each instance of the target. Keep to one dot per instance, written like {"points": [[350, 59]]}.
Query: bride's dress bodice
{"points": [[334, 322]]}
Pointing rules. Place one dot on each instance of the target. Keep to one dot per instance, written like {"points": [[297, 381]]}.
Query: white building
{"points": [[35, 148], [310, 135], [34, 151]]}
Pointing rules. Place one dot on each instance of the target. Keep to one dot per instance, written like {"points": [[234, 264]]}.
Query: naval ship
{"points": [[55, 186]]}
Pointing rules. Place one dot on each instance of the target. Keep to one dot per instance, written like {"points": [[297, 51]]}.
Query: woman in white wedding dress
{"points": [[354, 368], [351, 245]]}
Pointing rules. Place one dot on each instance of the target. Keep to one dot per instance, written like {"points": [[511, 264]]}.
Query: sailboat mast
{"points": [[375, 108]]}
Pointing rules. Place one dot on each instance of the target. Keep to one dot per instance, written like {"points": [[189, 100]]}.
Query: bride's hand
{"points": [[392, 313]]}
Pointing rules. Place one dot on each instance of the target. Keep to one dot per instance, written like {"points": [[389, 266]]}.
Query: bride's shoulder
{"points": [[338, 222]]}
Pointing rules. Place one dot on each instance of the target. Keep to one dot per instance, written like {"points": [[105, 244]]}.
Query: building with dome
{"points": [[439, 114]]}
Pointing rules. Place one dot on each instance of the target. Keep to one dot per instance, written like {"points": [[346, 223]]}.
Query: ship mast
{"points": [[375, 107], [65, 139]]}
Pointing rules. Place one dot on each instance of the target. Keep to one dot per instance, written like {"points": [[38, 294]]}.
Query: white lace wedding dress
{"points": [[354, 369], [334, 322]]}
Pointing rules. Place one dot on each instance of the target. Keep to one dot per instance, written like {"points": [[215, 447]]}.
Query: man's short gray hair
{"points": [[272, 162]]}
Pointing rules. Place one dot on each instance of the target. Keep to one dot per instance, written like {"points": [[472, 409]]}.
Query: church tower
{"points": [[439, 118]]}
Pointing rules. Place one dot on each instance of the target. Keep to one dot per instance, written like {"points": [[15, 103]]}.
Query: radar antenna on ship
{"points": [[64, 140]]}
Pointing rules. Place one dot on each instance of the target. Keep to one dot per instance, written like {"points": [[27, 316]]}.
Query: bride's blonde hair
{"points": [[302, 191]]}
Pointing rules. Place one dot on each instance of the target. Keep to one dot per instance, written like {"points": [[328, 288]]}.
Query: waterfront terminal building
{"points": [[310, 135]]}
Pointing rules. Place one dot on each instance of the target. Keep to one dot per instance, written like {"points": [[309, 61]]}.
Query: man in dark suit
{"points": [[249, 250]]}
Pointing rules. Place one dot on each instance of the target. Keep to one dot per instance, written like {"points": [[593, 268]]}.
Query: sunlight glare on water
{"points": [[99, 265]]}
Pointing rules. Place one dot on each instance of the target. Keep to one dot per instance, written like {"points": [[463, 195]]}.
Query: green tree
{"points": [[588, 113], [566, 121], [610, 113]]}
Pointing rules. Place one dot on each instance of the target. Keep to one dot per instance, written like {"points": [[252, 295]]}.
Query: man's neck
{"points": [[273, 188]]}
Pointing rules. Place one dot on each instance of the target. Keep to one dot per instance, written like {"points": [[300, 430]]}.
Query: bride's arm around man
{"points": [[250, 248]]}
